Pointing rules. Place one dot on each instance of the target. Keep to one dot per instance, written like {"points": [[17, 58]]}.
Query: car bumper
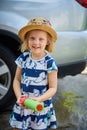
{"points": [[71, 68]]}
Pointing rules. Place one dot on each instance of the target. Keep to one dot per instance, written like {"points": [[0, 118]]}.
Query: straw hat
{"points": [[37, 23]]}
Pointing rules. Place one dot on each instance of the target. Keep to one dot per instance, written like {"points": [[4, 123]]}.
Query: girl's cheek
{"points": [[28, 43]]}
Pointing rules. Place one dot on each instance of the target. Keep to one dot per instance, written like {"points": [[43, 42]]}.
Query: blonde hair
{"points": [[49, 47]]}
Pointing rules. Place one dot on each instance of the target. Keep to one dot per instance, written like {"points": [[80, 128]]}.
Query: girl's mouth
{"points": [[35, 47]]}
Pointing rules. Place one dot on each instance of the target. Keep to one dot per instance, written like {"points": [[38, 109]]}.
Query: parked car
{"points": [[68, 18]]}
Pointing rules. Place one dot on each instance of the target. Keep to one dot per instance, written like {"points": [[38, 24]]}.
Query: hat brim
{"points": [[22, 32]]}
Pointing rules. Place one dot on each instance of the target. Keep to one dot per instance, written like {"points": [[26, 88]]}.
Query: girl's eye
{"points": [[41, 39], [32, 38]]}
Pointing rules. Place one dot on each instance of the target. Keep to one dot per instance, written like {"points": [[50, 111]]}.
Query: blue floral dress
{"points": [[33, 84]]}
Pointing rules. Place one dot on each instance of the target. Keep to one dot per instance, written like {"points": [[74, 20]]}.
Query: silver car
{"points": [[68, 17]]}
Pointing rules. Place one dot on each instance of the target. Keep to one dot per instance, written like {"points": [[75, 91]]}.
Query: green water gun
{"points": [[32, 104]]}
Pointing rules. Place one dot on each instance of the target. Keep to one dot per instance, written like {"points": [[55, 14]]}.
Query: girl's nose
{"points": [[36, 41]]}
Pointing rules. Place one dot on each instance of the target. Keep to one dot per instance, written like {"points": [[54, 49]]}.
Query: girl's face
{"points": [[37, 42]]}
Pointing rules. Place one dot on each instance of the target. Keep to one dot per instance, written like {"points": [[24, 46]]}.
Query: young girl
{"points": [[35, 77]]}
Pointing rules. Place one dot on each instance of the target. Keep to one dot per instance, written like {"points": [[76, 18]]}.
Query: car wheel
{"points": [[7, 70]]}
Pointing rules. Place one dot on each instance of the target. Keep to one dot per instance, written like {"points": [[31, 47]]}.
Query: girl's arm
{"points": [[52, 83], [16, 83]]}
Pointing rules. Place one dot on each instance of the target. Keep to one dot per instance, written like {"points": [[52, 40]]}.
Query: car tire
{"points": [[7, 59]]}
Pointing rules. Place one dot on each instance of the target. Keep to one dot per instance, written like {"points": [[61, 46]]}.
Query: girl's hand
{"points": [[20, 103], [36, 99]]}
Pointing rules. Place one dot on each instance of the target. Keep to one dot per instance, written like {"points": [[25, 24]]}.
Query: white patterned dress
{"points": [[34, 84]]}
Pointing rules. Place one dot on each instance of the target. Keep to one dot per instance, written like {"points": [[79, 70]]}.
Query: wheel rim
{"points": [[5, 78]]}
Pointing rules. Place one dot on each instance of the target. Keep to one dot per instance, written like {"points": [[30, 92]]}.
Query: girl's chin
{"points": [[36, 50]]}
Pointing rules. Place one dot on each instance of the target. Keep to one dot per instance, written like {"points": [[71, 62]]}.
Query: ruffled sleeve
{"points": [[51, 66], [21, 59]]}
